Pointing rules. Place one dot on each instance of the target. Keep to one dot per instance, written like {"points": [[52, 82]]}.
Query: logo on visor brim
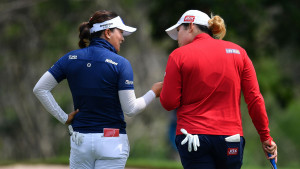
{"points": [[106, 26], [189, 18]]}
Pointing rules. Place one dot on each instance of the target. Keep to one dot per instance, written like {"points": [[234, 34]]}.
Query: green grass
{"points": [[255, 167], [153, 164], [164, 164], [131, 162], [56, 160]]}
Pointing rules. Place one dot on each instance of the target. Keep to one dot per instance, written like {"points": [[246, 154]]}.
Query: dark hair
{"points": [[201, 27], [84, 28]]}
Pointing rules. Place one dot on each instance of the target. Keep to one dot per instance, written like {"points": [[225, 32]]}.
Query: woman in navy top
{"points": [[101, 83]]}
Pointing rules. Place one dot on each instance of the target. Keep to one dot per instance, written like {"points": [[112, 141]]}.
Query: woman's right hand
{"points": [[156, 88], [269, 146]]}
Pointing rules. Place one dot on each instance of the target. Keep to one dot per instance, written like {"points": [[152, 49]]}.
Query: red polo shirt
{"points": [[204, 80]]}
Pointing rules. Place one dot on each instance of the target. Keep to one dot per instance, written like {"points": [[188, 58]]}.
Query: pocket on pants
{"points": [[235, 153], [113, 147]]}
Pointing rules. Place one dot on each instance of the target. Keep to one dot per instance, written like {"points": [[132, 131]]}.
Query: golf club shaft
{"points": [[272, 161]]}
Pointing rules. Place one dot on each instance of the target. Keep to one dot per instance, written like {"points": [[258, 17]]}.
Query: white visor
{"points": [[113, 23], [190, 16], [172, 31]]}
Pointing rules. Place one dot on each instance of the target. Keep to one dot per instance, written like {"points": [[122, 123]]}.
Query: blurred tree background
{"points": [[36, 33]]}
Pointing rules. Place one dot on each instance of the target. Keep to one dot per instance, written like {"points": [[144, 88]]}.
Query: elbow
{"points": [[134, 107], [35, 90], [134, 111], [129, 114], [38, 91], [168, 105], [252, 102]]}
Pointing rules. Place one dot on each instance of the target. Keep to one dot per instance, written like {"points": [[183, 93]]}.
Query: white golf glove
{"points": [[76, 136], [193, 140]]}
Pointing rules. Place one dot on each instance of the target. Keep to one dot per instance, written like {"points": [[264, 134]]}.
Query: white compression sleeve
{"points": [[42, 91], [131, 105]]}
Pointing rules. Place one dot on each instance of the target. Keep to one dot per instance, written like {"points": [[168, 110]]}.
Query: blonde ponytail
{"points": [[217, 26]]}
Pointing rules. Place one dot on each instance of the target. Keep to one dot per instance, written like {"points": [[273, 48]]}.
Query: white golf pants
{"points": [[98, 152]]}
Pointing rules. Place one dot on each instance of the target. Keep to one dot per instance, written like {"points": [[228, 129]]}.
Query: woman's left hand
{"points": [[71, 116]]}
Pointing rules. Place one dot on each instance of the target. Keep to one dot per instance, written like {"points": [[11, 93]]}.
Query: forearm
{"points": [[255, 101], [132, 105], [42, 91], [259, 118]]}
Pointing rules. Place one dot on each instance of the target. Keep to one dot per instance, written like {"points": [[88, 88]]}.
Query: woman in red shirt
{"points": [[203, 80]]}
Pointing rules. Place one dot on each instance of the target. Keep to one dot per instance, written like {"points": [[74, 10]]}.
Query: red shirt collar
{"points": [[202, 36]]}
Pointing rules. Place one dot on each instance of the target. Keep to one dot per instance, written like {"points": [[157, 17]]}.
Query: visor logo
{"points": [[189, 18], [105, 26]]}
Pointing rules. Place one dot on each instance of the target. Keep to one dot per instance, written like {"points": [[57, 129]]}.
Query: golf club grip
{"points": [[272, 161]]}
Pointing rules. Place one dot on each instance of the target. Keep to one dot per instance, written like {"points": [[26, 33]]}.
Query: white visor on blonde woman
{"points": [[116, 22], [190, 16]]}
